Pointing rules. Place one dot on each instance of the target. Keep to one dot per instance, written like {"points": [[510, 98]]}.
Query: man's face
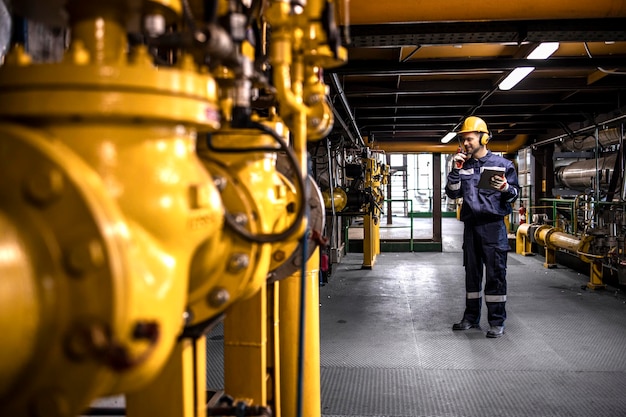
{"points": [[471, 142]]}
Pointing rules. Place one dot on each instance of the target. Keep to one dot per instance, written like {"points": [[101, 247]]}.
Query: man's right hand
{"points": [[458, 160]]}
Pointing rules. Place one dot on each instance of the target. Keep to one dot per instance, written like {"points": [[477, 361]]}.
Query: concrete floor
{"points": [[387, 347]]}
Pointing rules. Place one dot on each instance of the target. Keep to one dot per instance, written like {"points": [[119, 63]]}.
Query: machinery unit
{"points": [[155, 181], [587, 219]]}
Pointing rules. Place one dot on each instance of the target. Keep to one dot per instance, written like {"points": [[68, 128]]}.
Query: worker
{"points": [[485, 240]]}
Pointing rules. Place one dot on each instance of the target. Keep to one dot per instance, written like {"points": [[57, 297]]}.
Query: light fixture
{"points": [[448, 137], [542, 51], [517, 75]]}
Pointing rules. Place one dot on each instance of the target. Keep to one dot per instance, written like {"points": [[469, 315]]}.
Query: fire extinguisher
{"points": [[522, 214]]}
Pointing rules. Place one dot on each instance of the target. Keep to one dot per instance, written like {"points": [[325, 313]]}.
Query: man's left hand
{"points": [[498, 182]]}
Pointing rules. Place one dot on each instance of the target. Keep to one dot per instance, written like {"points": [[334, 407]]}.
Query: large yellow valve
{"points": [[260, 204], [122, 229], [106, 203]]}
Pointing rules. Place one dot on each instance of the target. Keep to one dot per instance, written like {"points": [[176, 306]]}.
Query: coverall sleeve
{"points": [[453, 186], [512, 193]]}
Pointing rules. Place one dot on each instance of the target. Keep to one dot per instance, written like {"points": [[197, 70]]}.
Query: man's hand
{"points": [[458, 160], [498, 182]]}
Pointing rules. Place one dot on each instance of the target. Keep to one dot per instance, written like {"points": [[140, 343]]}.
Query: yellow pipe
{"points": [[289, 314], [553, 239], [437, 147], [116, 139], [180, 388], [245, 349], [104, 37], [364, 12], [522, 240]]}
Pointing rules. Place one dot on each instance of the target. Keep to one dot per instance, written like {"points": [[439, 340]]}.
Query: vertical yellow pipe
{"points": [[182, 382], [369, 242], [245, 348], [377, 234], [273, 294], [289, 310]]}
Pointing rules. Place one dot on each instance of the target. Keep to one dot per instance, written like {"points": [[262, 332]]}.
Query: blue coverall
{"points": [[485, 239]]}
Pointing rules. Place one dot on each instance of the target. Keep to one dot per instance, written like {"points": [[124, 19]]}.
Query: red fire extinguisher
{"points": [[522, 214]]}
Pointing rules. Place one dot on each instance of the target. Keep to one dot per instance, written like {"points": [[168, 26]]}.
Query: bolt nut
{"points": [[313, 99], [238, 262], [44, 187], [81, 258], [278, 256], [218, 297], [241, 219], [188, 316], [220, 183]]}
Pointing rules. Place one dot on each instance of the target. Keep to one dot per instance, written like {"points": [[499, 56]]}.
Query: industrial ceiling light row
{"points": [[542, 51]]}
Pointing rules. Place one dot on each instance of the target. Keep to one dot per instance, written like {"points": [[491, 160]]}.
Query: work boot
{"points": [[464, 325], [495, 331]]}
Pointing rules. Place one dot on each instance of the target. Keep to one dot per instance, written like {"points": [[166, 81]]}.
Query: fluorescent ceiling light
{"points": [[448, 137], [517, 75], [544, 50]]}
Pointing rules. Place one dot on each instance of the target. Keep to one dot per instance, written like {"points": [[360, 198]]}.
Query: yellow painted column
{"points": [[245, 349], [179, 390], [369, 242], [289, 310]]}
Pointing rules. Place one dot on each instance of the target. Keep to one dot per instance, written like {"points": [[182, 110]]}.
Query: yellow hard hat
{"points": [[474, 124]]}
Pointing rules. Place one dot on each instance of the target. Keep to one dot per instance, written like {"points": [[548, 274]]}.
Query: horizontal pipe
{"points": [[580, 175], [606, 137], [599, 125], [451, 147], [549, 237]]}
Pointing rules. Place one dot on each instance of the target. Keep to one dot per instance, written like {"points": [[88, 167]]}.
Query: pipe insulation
{"points": [[606, 137], [582, 174]]}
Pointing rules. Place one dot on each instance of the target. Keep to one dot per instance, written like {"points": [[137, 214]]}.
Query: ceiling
{"points": [[416, 69]]}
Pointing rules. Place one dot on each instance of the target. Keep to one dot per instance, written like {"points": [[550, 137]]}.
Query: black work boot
{"points": [[465, 325]]}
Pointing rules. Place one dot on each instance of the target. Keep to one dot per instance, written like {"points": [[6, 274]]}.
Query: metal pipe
{"points": [[578, 132], [579, 175], [606, 137], [437, 147], [344, 101], [549, 237]]}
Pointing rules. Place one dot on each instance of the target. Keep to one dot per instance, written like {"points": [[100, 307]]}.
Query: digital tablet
{"points": [[487, 174]]}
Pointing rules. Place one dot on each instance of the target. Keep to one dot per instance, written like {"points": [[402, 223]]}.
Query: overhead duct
{"points": [[582, 174], [437, 147], [606, 138]]}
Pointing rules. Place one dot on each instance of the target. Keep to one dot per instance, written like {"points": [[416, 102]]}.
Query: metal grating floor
{"points": [[388, 350]]}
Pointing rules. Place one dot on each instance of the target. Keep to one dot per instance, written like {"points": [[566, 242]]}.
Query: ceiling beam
{"points": [[384, 67], [441, 33]]}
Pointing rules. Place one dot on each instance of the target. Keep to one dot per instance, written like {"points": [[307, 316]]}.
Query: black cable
{"points": [[188, 14], [300, 188]]}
